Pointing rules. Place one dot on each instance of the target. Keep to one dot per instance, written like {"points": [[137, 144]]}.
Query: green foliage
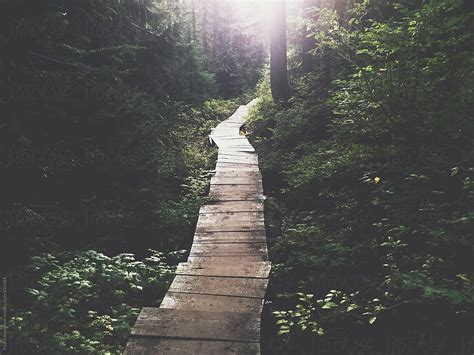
{"points": [[105, 108], [375, 166], [86, 302], [103, 124], [299, 318], [329, 310]]}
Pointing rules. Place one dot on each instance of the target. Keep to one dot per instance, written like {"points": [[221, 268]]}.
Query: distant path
{"points": [[215, 302]]}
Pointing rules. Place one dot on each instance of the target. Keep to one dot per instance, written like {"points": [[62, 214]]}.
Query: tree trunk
{"points": [[216, 33], [341, 8], [193, 19], [205, 40], [308, 43], [278, 60]]}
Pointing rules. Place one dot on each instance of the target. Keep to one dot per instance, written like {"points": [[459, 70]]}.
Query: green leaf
{"points": [[329, 305]]}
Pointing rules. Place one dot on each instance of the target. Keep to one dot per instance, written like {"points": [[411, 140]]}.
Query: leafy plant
{"points": [[86, 302], [372, 162]]}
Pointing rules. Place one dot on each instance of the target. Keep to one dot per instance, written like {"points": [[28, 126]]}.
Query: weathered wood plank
{"points": [[229, 196], [239, 149], [230, 249], [230, 221], [227, 261], [239, 215], [192, 324], [242, 139], [154, 346], [243, 156], [233, 206], [249, 155], [213, 303], [237, 160], [230, 237], [246, 188], [236, 165], [252, 269], [228, 227], [224, 286], [220, 180], [253, 176]]}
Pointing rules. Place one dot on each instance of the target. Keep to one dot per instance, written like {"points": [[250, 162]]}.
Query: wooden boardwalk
{"points": [[215, 302]]}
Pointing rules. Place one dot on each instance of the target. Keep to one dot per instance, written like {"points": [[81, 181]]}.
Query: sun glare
{"points": [[260, 10]]}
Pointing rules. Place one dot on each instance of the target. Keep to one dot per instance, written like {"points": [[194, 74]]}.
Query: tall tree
{"points": [[204, 31], [278, 60], [308, 42]]}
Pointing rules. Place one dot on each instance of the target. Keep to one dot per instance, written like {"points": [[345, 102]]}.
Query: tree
{"points": [[278, 61], [230, 53], [308, 41]]}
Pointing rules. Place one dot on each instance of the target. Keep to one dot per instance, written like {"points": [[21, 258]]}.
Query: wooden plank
{"points": [[237, 160], [229, 123], [238, 215], [253, 185], [212, 303], [230, 216], [240, 179], [234, 169], [235, 192], [203, 240], [224, 286], [229, 196], [220, 180], [241, 156], [231, 226], [222, 221], [250, 155], [236, 165], [160, 346], [236, 188], [229, 134], [192, 324], [247, 218], [253, 269], [232, 148], [227, 146], [255, 173], [236, 138], [226, 136], [239, 149], [250, 236], [230, 249], [233, 206], [225, 261], [230, 237], [252, 175]]}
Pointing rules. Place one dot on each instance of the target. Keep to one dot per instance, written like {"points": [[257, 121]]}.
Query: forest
{"points": [[363, 125]]}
